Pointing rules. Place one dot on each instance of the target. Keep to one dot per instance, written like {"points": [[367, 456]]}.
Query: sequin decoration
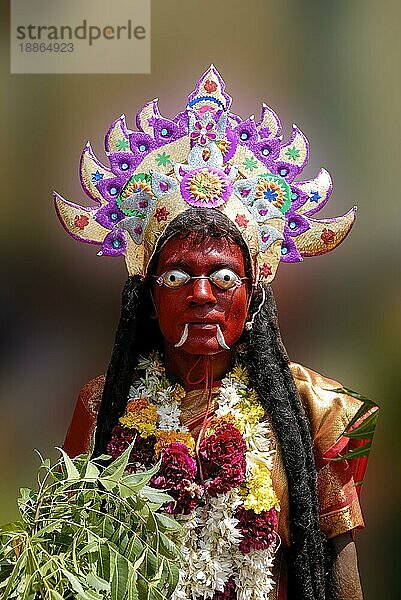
{"points": [[136, 194], [241, 220], [275, 190], [265, 270], [206, 187], [161, 214], [327, 236], [203, 132], [81, 221]]}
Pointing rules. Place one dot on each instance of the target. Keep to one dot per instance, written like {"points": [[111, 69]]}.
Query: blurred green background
{"points": [[331, 67]]}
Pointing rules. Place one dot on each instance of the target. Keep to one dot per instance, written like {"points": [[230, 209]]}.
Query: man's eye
{"points": [[174, 278], [225, 279]]}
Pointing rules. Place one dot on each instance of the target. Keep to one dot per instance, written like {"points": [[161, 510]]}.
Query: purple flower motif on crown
{"points": [[269, 125], [166, 131], [266, 151], [264, 132], [203, 132], [111, 187], [206, 187], [296, 223], [109, 215], [141, 144], [289, 251], [114, 244], [152, 121], [246, 132], [298, 197], [122, 163], [285, 170]]}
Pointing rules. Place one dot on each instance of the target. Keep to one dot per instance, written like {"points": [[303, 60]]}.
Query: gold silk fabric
{"points": [[328, 413]]}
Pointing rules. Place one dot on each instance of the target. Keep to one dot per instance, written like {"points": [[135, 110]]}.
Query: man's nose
{"points": [[201, 292]]}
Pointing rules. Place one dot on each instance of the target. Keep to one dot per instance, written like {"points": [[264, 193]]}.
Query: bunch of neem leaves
{"points": [[90, 532]]}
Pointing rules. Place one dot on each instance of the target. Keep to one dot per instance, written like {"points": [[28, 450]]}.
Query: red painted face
{"points": [[201, 304]]}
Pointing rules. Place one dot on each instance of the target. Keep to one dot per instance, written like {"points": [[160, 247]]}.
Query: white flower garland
{"points": [[210, 538]]}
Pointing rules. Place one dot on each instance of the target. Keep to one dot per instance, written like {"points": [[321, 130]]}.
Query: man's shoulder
{"points": [[305, 374], [328, 407]]}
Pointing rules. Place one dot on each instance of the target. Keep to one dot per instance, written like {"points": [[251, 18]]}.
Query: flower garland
{"points": [[229, 515]]}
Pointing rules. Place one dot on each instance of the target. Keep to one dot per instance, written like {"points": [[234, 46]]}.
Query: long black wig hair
{"points": [[270, 375]]}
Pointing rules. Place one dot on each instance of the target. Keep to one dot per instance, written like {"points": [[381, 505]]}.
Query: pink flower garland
{"points": [[224, 459], [177, 476], [257, 529], [142, 452]]}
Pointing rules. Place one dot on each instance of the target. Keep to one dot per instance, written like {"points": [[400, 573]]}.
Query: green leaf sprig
{"points": [[365, 430], [90, 532]]}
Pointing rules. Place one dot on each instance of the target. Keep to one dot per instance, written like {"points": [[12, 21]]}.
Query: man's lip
{"points": [[203, 324], [201, 321]]}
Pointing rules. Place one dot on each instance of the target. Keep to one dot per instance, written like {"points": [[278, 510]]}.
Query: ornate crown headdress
{"points": [[207, 157]]}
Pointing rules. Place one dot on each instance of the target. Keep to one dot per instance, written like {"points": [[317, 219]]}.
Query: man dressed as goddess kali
{"points": [[204, 207]]}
